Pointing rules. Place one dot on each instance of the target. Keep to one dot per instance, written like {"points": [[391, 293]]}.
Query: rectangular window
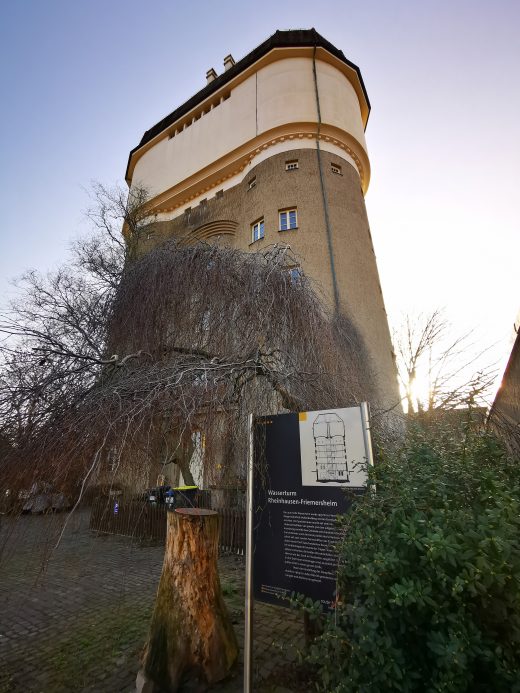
{"points": [[291, 165], [257, 230], [336, 168], [252, 183], [288, 220], [295, 274]]}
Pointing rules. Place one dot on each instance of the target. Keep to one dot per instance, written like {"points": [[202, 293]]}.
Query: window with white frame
{"points": [[291, 165], [295, 274], [257, 230], [288, 219]]}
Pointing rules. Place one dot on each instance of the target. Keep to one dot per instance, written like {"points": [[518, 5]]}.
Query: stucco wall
{"points": [[279, 94], [358, 282]]}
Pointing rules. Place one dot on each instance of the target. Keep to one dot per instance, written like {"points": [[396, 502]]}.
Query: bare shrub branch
{"points": [[446, 365]]}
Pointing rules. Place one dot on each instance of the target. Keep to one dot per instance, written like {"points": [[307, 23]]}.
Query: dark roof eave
{"points": [[280, 39]]}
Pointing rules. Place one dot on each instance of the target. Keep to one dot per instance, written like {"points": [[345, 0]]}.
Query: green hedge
{"points": [[429, 586]]}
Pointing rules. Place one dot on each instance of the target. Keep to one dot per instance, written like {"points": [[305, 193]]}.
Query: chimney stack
{"points": [[229, 61], [210, 75]]}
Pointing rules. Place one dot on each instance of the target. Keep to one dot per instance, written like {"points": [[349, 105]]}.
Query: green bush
{"points": [[429, 583]]}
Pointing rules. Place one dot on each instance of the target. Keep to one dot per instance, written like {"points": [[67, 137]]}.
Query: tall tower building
{"points": [[273, 150]]}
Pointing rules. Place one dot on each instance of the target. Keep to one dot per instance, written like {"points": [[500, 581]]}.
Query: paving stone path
{"points": [[75, 617]]}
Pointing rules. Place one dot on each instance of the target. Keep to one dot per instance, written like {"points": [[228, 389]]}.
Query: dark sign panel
{"points": [[303, 465]]}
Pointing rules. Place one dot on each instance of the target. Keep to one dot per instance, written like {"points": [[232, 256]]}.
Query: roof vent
{"points": [[229, 61], [210, 75]]}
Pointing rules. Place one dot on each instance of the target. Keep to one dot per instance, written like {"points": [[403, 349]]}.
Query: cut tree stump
{"points": [[191, 635]]}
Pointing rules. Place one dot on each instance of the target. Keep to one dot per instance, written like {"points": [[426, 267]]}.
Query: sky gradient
{"points": [[82, 81]]}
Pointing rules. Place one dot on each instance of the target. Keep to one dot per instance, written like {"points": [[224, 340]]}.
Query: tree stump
{"points": [[191, 633]]}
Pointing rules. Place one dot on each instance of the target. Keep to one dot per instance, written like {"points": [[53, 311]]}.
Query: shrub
{"points": [[429, 583]]}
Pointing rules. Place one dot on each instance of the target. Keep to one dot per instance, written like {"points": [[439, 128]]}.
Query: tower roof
{"points": [[293, 38]]}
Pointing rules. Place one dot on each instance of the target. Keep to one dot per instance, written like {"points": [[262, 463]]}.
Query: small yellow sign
{"points": [[302, 416]]}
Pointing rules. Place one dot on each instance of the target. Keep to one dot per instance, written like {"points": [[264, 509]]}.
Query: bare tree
{"points": [[437, 369], [114, 210], [54, 334]]}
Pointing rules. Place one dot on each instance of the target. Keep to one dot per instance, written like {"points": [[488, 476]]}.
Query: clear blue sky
{"points": [[81, 81]]}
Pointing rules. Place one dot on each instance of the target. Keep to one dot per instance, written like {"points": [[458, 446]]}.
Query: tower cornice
{"points": [[238, 161]]}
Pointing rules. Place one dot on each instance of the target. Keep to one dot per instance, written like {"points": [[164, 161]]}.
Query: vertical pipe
{"points": [[323, 191], [248, 634], [365, 418]]}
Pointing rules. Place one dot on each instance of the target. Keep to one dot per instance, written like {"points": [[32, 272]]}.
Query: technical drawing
{"points": [[330, 448]]}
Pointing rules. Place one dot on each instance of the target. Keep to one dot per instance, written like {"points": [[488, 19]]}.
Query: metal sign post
{"points": [[365, 416], [248, 635]]}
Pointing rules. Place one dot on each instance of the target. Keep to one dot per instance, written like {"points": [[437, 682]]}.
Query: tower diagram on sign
{"points": [[330, 448]]}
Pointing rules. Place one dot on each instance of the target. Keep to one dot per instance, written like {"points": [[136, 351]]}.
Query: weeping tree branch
{"points": [[53, 336], [199, 336]]}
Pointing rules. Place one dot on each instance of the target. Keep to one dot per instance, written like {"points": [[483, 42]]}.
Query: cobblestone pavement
{"points": [[75, 618]]}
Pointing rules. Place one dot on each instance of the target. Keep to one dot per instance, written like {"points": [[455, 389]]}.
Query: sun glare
{"points": [[421, 389]]}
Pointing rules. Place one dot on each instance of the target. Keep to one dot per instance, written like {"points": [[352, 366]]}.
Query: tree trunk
{"points": [[187, 476], [191, 632]]}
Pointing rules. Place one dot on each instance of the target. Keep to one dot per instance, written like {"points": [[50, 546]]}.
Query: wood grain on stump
{"points": [[191, 633]]}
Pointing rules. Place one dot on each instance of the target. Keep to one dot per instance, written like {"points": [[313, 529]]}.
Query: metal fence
{"points": [[130, 517]]}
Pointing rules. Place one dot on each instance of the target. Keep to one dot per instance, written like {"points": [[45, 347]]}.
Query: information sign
{"points": [[303, 464]]}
